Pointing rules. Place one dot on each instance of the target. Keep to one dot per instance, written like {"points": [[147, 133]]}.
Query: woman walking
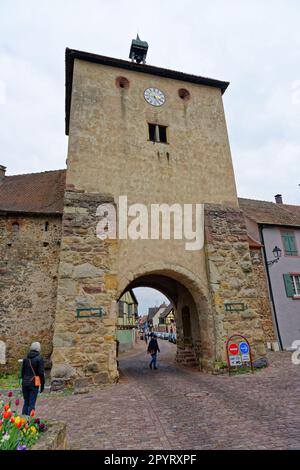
{"points": [[33, 377], [153, 348]]}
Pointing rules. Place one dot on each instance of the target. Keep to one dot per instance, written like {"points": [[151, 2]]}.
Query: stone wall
{"points": [[85, 348], [29, 257], [55, 438], [232, 279], [263, 299]]}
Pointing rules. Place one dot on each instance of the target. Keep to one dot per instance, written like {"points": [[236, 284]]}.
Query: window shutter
{"points": [[293, 247], [289, 286], [289, 243]]}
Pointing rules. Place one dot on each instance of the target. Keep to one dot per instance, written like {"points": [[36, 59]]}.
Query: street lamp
{"points": [[277, 254]]}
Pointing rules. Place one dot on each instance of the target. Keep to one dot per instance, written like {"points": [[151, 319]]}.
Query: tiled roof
{"points": [[41, 193], [270, 213], [166, 311], [253, 243]]}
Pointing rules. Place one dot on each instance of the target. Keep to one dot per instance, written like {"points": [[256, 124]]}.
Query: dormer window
{"points": [[158, 133]]}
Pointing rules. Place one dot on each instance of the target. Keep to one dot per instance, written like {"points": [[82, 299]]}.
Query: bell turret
{"points": [[138, 50]]}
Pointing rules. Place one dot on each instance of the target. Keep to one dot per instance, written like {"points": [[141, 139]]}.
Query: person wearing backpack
{"points": [[33, 377]]}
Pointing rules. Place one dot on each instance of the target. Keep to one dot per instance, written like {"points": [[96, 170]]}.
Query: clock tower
{"points": [[155, 136]]}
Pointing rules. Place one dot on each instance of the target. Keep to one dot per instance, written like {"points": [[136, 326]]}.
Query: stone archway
{"points": [[195, 346]]}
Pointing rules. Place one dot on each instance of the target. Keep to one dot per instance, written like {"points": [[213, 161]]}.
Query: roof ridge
{"points": [[37, 173], [256, 200]]}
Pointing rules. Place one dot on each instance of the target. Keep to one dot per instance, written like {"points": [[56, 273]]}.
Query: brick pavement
{"points": [[179, 408]]}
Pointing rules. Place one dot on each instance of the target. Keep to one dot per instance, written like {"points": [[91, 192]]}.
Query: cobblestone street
{"points": [[179, 408]]}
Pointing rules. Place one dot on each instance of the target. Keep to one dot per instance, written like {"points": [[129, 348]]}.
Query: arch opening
{"points": [[191, 314]]}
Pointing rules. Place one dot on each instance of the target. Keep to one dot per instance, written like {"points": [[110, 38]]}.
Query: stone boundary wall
{"points": [[29, 256], [232, 279]]}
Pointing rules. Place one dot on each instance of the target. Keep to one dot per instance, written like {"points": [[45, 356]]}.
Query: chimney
{"points": [[2, 172], [278, 199]]}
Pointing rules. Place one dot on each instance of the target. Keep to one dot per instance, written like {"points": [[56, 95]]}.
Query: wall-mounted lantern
{"points": [[277, 254]]}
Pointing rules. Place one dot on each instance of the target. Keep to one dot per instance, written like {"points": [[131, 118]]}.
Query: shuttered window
{"points": [[289, 243], [292, 284]]}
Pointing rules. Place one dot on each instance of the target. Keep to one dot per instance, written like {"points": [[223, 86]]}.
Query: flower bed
{"points": [[16, 431]]}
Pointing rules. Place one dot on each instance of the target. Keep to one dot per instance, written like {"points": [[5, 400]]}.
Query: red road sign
{"points": [[233, 349]]}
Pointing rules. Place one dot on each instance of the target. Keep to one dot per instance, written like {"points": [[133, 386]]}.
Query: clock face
{"points": [[154, 96]]}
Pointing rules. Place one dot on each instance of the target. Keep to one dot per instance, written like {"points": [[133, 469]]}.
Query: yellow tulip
{"points": [[33, 429]]}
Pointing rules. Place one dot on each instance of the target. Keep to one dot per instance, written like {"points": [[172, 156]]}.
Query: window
{"points": [[15, 227], [292, 284], [289, 243], [121, 308], [158, 133]]}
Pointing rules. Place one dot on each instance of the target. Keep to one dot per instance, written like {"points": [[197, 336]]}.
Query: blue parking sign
{"points": [[244, 348]]}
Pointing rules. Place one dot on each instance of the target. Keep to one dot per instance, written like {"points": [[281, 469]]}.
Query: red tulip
{"points": [[12, 419], [17, 401], [6, 414], [32, 413], [6, 407], [10, 394]]}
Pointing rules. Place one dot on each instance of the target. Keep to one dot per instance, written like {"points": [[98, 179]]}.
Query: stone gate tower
{"points": [[156, 136]]}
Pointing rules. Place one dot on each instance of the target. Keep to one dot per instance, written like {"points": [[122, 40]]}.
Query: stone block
{"points": [[86, 270], [101, 378], [65, 270], [81, 382], [246, 266], [111, 281], [57, 385], [92, 367], [63, 371]]}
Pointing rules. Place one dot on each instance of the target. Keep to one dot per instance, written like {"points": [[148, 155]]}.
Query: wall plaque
{"points": [[89, 312], [235, 307]]}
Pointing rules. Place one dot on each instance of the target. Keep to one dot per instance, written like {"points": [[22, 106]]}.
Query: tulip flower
{"points": [[32, 413], [6, 407], [6, 414], [17, 402], [21, 447], [12, 419], [10, 394]]}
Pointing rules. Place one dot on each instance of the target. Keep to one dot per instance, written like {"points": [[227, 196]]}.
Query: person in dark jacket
{"points": [[33, 365], [153, 348]]}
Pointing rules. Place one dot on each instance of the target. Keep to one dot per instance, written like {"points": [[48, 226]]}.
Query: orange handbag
{"points": [[37, 380]]}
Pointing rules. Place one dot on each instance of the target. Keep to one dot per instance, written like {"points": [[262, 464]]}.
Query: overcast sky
{"points": [[254, 45]]}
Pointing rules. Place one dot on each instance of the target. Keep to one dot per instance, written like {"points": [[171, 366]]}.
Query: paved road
{"points": [[178, 408]]}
